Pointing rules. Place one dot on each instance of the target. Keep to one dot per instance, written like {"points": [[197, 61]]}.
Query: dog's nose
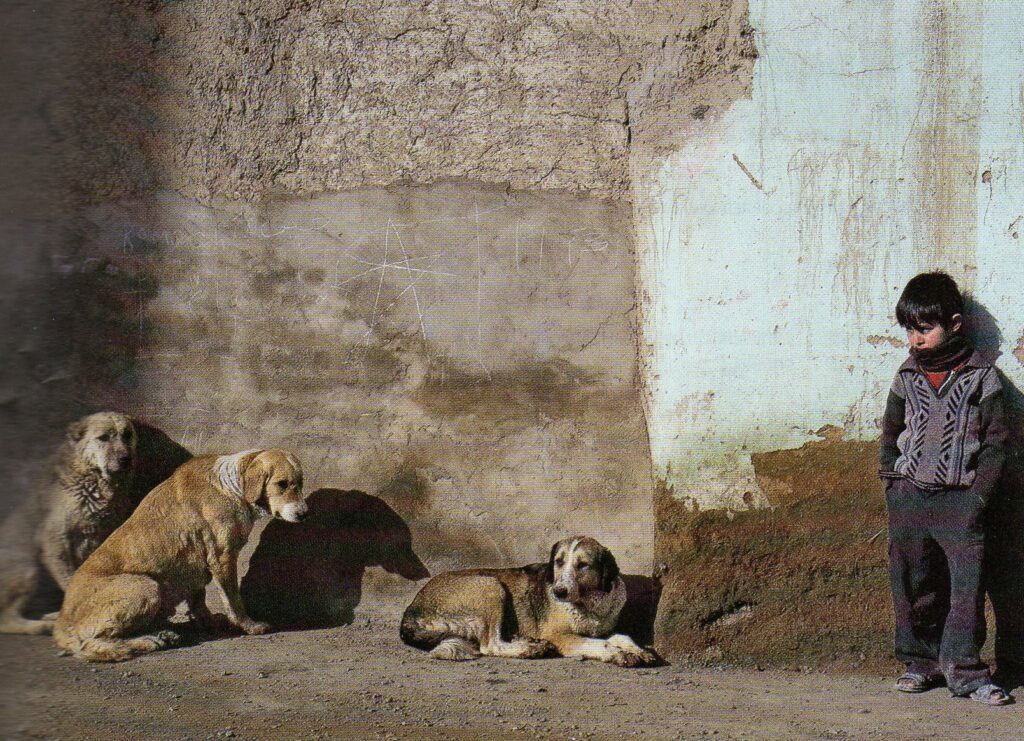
{"points": [[560, 591]]}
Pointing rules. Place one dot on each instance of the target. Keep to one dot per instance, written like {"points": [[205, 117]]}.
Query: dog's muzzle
{"points": [[294, 512]]}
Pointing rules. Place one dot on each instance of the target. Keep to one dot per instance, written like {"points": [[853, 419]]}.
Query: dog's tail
{"points": [[417, 632], [427, 631], [111, 649]]}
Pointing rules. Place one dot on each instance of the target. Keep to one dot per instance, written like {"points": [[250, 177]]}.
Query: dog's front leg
{"points": [[225, 573], [56, 556], [613, 651]]}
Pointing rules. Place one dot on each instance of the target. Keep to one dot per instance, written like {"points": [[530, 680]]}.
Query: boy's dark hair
{"points": [[929, 298]]}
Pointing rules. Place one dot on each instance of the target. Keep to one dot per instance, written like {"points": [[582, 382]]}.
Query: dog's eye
{"points": [[559, 562], [583, 566], [104, 437], [283, 484]]}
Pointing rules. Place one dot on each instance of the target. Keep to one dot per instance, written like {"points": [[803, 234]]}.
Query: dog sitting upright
{"points": [[86, 497], [565, 606], [186, 531]]}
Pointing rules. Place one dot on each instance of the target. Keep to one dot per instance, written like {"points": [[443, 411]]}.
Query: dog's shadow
{"points": [[643, 593], [157, 457], [310, 574]]}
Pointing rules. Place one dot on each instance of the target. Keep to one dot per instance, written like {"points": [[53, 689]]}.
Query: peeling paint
{"points": [[865, 170], [877, 339]]}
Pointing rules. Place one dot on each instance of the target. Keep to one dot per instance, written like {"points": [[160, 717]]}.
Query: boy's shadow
{"points": [[310, 574], [1004, 559]]}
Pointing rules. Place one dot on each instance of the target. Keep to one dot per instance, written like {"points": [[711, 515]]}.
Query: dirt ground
{"points": [[361, 682]]}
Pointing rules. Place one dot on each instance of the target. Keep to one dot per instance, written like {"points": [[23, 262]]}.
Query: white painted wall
{"points": [[773, 245]]}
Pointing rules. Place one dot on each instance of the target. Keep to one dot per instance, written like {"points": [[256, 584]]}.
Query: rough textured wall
{"points": [[879, 140], [44, 271], [495, 411], [464, 352], [241, 98]]}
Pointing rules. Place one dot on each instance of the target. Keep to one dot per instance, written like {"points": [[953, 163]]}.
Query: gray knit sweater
{"points": [[945, 438]]}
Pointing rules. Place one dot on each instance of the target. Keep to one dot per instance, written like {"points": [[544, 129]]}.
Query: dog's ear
{"points": [[609, 570], [76, 430], [549, 572], [254, 477]]}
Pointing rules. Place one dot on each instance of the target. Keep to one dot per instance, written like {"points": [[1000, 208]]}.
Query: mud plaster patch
{"points": [[801, 584]]}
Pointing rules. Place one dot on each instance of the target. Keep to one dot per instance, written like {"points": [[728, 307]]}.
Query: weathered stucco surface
{"points": [[465, 352], [240, 99], [774, 240], [486, 380]]}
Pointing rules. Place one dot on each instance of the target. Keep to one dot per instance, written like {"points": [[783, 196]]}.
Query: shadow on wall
{"points": [[1005, 539], [643, 593], [310, 575], [157, 457]]}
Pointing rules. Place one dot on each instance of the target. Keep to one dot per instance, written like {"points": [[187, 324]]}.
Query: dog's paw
{"points": [[536, 648], [215, 623], [167, 639], [255, 628], [633, 659]]}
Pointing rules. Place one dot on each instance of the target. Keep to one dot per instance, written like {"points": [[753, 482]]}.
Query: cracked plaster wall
{"points": [[393, 236], [234, 184], [465, 353]]}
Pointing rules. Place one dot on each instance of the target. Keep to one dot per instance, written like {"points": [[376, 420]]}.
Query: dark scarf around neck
{"points": [[952, 353]]}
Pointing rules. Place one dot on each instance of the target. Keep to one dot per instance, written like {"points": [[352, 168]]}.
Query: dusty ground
{"points": [[360, 682]]}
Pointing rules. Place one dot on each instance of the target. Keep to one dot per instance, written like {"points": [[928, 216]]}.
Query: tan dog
{"points": [[85, 500], [186, 531], [565, 606]]}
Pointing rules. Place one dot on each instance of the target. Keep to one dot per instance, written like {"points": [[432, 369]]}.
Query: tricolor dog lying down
{"points": [[564, 606], [188, 529]]}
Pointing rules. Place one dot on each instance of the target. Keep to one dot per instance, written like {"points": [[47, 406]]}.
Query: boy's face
{"points": [[929, 336]]}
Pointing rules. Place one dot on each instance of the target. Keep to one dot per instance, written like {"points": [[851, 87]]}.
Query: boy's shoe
{"points": [[991, 694], [915, 682]]}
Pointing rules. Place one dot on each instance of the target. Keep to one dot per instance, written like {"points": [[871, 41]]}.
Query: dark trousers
{"points": [[936, 550]]}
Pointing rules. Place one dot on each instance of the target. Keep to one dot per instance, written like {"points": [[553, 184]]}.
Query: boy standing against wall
{"points": [[943, 437]]}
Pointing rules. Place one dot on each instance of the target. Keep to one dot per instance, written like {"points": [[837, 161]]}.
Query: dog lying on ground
{"points": [[85, 500], [565, 606], [186, 531]]}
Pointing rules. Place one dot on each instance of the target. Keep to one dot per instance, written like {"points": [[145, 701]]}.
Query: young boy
{"points": [[943, 436]]}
